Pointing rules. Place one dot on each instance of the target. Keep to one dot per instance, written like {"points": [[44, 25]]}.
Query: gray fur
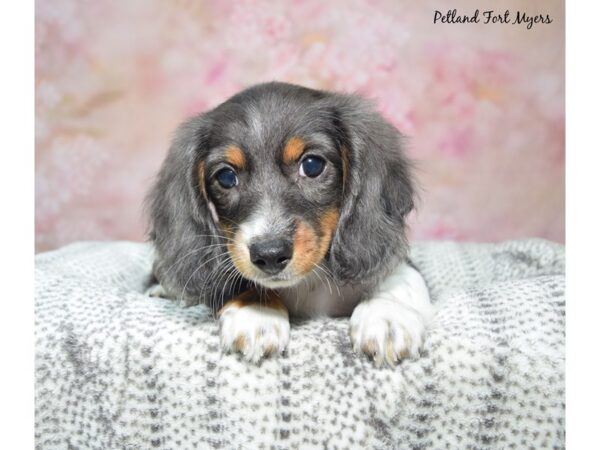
{"points": [[191, 256]]}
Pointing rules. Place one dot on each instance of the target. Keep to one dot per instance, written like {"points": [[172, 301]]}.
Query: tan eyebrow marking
{"points": [[235, 156], [293, 150]]}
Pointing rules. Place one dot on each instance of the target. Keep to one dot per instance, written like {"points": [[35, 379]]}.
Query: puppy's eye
{"points": [[227, 178], [312, 166]]}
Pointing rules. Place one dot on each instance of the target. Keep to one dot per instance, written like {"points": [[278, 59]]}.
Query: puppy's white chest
{"points": [[316, 296]]}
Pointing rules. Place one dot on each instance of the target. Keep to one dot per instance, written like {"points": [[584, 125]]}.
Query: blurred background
{"points": [[483, 105]]}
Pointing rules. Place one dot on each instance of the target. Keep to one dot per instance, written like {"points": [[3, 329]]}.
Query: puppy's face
{"points": [[275, 183], [277, 203]]}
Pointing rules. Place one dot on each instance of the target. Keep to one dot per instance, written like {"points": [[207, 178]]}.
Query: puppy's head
{"points": [[274, 184]]}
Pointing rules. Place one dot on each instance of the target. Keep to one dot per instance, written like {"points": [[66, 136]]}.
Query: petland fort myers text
{"points": [[491, 16]]}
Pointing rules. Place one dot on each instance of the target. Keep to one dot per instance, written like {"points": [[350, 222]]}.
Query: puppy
{"points": [[291, 201]]}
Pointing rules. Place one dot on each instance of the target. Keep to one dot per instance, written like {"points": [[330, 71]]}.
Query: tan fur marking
{"points": [[270, 349], [226, 227], [305, 246], [328, 225], [238, 252], [240, 343], [240, 258], [370, 347], [235, 156], [293, 150], [311, 246], [270, 299], [390, 355]]}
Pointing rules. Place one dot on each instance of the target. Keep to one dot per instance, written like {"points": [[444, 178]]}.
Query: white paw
{"points": [[254, 331], [386, 330], [392, 325]]}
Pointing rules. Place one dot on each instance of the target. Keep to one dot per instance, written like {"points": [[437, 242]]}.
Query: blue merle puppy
{"points": [[285, 200]]}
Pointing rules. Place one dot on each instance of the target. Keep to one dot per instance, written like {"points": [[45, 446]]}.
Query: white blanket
{"points": [[116, 369]]}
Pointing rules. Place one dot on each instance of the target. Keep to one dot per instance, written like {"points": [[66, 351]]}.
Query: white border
{"points": [[16, 260], [583, 224]]}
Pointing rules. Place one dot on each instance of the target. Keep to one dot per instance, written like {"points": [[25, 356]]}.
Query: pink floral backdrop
{"points": [[483, 104]]}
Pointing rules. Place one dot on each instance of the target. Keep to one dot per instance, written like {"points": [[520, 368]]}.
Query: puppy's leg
{"points": [[391, 324], [254, 326]]}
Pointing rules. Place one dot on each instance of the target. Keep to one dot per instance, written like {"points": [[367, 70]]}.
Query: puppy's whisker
{"points": [[303, 280], [316, 267], [194, 273], [216, 236], [219, 265], [329, 275], [321, 279], [216, 284], [233, 273], [236, 282], [230, 271], [196, 250], [233, 222], [213, 295]]}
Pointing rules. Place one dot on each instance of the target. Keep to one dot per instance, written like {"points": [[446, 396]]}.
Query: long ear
{"points": [[181, 226], [378, 194]]}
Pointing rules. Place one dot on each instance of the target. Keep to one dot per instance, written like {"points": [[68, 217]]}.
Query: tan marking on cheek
{"points": [[328, 225], [240, 260], [305, 248], [201, 179], [226, 228], [293, 150], [268, 299], [235, 248], [235, 156], [240, 255], [310, 246]]}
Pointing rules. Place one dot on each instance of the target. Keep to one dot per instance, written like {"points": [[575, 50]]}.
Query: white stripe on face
{"points": [[256, 226], [265, 221]]}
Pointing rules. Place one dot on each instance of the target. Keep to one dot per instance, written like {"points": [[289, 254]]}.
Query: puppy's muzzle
{"points": [[271, 256]]}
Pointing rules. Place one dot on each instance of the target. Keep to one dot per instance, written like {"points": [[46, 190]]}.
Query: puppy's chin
{"points": [[279, 281]]}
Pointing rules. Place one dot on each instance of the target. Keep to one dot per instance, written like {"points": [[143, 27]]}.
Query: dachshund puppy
{"points": [[290, 201]]}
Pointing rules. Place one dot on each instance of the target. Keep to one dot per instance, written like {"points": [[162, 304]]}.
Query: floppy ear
{"points": [[181, 225], [378, 194]]}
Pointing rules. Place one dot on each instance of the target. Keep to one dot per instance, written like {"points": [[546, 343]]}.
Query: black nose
{"points": [[271, 256]]}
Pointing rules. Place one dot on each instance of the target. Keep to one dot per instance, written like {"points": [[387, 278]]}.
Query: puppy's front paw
{"points": [[254, 330], [386, 330]]}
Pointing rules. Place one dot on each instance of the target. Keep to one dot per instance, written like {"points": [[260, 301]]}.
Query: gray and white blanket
{"points": [[116, 369]]}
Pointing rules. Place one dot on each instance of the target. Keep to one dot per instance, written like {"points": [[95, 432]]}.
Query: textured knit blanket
{"points": [[117, 369]]}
